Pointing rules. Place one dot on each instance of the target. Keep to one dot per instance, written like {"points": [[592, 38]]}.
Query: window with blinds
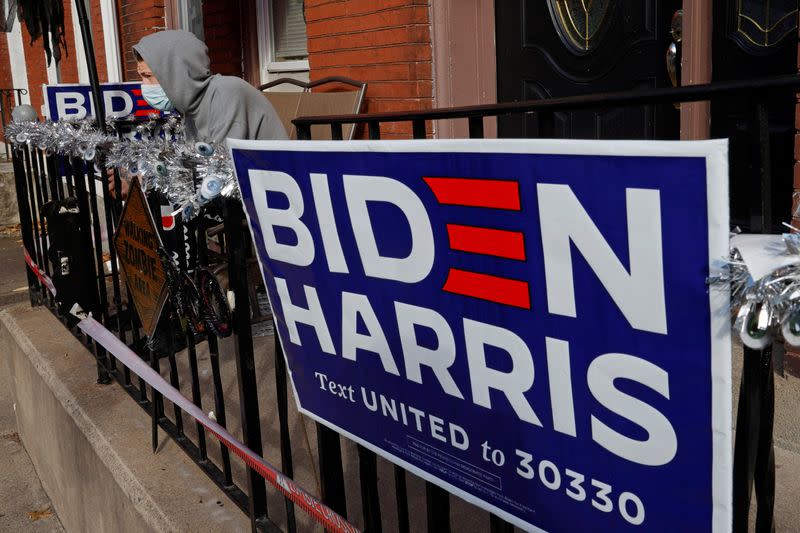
{"points": [[289, 30]]}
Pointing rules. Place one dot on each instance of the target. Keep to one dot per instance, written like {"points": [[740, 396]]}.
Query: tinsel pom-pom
{"points": [[189, 175], [763, 273]]}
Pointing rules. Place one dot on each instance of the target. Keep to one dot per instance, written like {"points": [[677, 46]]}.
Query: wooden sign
{"points": [[137, 242]]}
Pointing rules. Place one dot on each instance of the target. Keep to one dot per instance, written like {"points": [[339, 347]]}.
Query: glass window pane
{"points": [[765, 23], [289, 30], [579, 22]]}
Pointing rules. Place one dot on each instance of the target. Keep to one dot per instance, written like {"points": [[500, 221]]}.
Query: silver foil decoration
{"points": [[189, 175], [766, 309]]}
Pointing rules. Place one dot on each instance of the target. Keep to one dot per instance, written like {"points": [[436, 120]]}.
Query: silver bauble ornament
{"points": [[210, 188], [754, 329], [204, 149], [24, 113], [791, 327]]}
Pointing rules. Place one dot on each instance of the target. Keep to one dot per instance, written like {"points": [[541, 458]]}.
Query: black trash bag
{"points": [[70, 272]]}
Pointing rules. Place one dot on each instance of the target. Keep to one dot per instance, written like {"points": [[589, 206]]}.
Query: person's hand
{"points": [[124, 184]]}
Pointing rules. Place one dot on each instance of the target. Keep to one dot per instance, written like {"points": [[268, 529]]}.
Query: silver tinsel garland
{"points": [[189, 175], [766, 308]]}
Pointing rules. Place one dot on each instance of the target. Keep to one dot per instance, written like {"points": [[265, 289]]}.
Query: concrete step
{"points": [[25, 505], [90, 443]]}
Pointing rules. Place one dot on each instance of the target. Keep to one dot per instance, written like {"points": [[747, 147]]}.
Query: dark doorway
{"points": [[753, 39], [554, 48]]}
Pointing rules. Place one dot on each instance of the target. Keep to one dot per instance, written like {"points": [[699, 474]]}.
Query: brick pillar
{"points": [[69, 61], [137, 19], [387, 44], [223, 35], [37, 68], [5, 77], [98, 38]]}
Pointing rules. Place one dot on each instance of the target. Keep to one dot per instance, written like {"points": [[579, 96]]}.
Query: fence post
{"points": [[754, 454], [82, 196], [243, 342], [330, 469], [281, 391], [25, 223]]}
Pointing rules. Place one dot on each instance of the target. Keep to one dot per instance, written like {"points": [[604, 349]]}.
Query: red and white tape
{"points": [[324, 515], [44, 278]]}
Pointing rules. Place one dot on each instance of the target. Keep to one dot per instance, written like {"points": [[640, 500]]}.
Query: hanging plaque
{"points": [[137, 242]]}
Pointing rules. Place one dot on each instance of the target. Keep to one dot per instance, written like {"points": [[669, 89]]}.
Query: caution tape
{"points": [[323, 514], [44, 278]]}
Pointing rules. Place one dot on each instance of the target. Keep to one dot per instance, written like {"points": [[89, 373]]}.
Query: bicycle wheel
{"points": [[183, 294], [193, 306], [216, 312]]}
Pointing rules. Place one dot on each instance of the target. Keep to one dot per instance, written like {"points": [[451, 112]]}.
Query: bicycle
{"points": [[199, 303]]}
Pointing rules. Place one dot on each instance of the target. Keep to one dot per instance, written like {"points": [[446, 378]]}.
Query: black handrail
{"points": [[688, 93]]}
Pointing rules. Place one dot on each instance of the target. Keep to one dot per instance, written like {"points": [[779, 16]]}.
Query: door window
{"points": [[580, 22], [762, 24]]}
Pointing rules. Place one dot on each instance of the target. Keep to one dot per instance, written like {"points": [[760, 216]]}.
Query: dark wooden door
{"points": [[753, 39], [554, 48]]}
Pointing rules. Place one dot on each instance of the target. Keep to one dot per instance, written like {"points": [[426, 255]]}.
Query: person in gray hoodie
{"points": [[214, 107], [174, 67]]}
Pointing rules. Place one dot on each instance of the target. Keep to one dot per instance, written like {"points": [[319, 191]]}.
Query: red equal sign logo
{"points": [[487, 194], [142, 108]]}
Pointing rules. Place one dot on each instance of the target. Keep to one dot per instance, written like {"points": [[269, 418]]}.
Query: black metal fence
{"points": [[9, 98], [43, 178]]}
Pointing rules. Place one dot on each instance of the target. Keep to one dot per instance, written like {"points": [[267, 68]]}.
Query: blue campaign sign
{"points": [[525, 323], [74, 101]]}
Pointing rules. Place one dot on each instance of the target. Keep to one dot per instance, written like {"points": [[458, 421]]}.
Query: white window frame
{"points": [[177, 17], [266, 64]]}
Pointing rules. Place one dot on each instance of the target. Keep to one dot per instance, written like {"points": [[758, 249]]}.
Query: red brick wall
{"points": [[98, 39], [137, 19], [37, 68], [35, 58], [5, 72], [387, 44], [69, 61], [5, 64], [223, 35]]}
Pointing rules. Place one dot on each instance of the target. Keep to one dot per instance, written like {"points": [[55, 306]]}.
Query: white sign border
{"points": [[715, 153]]}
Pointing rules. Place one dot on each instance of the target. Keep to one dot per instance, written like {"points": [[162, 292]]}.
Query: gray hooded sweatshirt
{"points": [[214, 107]]}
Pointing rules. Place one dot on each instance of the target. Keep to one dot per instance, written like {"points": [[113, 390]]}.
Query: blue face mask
{"points": [[156, 97]]}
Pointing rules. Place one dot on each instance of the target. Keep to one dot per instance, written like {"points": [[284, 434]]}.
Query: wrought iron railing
{"points": [[42, 178], [9, 98]]}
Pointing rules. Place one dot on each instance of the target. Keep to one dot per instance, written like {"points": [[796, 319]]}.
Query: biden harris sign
{"points": [[525, 323], [74, 101]]}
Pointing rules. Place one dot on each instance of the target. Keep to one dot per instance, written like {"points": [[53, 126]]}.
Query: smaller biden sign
{"points": [[74, 101], [525, 323]]}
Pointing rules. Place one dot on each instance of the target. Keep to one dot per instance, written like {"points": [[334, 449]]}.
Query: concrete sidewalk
{"points": [[25, 505]]}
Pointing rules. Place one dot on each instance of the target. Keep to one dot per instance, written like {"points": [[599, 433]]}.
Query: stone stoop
{"points": [[90, 443]]}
